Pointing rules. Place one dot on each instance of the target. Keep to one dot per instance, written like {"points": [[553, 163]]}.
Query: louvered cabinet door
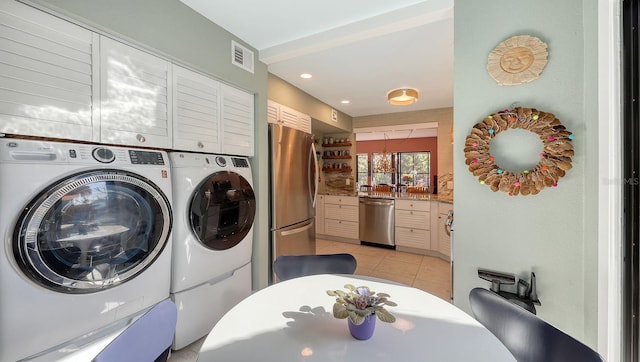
{"points": [[289, 117], [48, 73], [237, 121], [196, 111], [304, 122], [135, 96], [273, 112]]}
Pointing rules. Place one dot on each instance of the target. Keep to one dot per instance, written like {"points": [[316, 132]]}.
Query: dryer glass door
{"points": [[92, 231], [222, 210]]}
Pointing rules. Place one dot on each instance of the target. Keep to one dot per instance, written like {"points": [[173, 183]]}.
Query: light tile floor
{"points": [[423, 272], [428, 273]]}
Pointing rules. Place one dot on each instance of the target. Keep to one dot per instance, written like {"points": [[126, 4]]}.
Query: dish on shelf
{"points": [[336, 144]]}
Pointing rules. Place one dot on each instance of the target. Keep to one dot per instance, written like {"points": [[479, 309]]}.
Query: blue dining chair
{"points": [[149, 338], [528, 337], [293, 266]]}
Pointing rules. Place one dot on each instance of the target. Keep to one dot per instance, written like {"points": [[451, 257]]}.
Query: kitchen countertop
{"points": [[393, 195]]}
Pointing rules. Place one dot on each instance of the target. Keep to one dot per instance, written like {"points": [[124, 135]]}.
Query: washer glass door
{"points": [[92, 231], [222, 210]]}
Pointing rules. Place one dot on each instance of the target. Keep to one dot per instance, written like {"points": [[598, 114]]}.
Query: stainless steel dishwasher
{"points": [[377, 221]]}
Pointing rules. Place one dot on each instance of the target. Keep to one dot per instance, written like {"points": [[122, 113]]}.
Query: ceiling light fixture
{"points": [[305, 75], [402, 96], [346, 101]]}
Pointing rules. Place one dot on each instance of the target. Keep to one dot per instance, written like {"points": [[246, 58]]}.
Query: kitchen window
{"points": [[363, 169], [409, 168], [414, 168]]}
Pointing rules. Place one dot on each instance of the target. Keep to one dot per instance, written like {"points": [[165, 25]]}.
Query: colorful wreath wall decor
{"points": [[555, 159]]}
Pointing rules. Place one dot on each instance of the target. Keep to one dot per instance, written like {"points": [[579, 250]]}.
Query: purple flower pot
{"points": [[363, 331]]}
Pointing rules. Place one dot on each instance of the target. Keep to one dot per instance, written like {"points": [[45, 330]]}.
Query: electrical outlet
{"points": [[348, 181]]}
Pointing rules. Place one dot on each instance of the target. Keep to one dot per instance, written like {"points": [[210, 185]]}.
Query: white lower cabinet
{"points": [[341, 216], [341, 228], [320, 214], [413, 224], [413, 238], [419, 224], [444, 239]]}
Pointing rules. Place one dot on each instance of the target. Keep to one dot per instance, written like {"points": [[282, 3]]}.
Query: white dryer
{"points": [[214, 209], [86, 242]]}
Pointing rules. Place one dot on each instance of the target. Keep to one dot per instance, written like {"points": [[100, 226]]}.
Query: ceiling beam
{"points": [[398, 20]]}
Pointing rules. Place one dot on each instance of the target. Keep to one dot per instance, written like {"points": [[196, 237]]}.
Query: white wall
{"points": [[554, 233]]}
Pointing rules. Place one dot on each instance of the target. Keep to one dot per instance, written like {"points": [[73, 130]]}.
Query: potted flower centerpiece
{"points": [[361, 306]]}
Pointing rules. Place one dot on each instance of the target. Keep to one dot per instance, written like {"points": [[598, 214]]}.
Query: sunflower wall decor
{"points": [[517, 60], [555, 158]]}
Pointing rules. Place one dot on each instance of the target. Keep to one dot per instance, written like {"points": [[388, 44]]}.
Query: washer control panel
{"points": [[103, 155], [146, 157], [221, 161]]}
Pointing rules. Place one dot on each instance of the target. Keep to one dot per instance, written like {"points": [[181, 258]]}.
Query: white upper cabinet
{"points": [[273, 111], [277, 113], [61, 80], [237, 121], [304, 122], [196, 111], [135, 97], [47, 75], [289, 117]]}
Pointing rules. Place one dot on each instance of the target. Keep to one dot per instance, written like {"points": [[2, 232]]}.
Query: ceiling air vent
{"points": [[241, 56]]}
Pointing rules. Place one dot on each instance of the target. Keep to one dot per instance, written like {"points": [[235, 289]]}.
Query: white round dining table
{"points": [[292, 321]]}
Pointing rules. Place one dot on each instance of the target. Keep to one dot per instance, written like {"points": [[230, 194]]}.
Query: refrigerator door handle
{"points": [[297, 230], [314, 175]]}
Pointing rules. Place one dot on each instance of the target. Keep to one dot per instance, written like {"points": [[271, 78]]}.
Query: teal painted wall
{"points": [[553, 233], [171, 29]]}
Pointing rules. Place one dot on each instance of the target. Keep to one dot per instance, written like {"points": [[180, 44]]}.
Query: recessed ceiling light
{"points": [[305, 75], [346, 101]]}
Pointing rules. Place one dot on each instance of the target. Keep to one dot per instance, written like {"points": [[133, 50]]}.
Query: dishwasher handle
{"points": [[377, 202]]}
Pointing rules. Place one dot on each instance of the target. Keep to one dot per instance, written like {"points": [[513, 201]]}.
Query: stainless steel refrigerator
{"points": [[293, 170]]}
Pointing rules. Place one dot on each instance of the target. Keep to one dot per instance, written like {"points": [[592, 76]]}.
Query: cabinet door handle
{"points": [[140, 138]]}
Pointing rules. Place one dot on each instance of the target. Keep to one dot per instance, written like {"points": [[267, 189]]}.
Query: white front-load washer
{"points": [[86, 234], [214, 209]]}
